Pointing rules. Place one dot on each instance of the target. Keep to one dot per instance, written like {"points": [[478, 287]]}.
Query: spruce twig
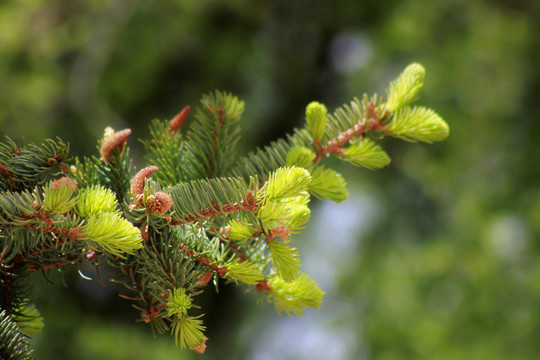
{"points": [[195, 213]]}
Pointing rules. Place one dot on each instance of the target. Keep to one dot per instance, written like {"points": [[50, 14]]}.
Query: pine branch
{"points": [[348, 122], [199, 200], [13, 343], [196, 213], [26, 167], [15, 288], [164, 150], [263, 161], [212, 138], [160, 266], [207, 261]]}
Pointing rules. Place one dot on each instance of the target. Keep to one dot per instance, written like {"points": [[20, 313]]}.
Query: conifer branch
{"points": [[165, 149], [222, 235], [367, 121], [206, 261], [198, 200], [195, 211], [27, 167], [212, 138], [13, 343]]}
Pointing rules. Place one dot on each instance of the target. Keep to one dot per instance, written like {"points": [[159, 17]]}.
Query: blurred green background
{"points": [[433, 257]]}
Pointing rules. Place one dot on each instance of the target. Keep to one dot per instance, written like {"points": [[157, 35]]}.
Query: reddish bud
{"points": [[146, 316], [137, 184], [206, 278], [201, 347], [5, 171], [150, 199], [64, 181], [113, 141], [263, 285], [178, 121], [281, 231], [163, 202]]}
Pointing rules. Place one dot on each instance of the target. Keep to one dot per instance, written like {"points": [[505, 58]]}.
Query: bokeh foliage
{"points": [[450, 267]]}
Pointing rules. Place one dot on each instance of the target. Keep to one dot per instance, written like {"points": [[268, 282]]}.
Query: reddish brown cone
{"points": [[178, 121], [163, 202], [137, 184], [114, 141]]}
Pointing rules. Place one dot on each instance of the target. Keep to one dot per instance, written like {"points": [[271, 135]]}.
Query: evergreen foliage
{"points": [[196, 213], [13, 344]]}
